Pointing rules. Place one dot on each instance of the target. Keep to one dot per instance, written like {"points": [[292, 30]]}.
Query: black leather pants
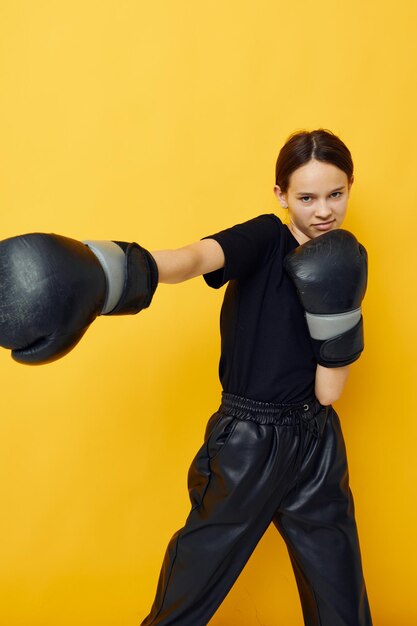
{"points": [[263, 463]]}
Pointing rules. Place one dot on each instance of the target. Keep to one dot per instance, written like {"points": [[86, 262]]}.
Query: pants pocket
{"points": [[220, 435], [218, 432]]}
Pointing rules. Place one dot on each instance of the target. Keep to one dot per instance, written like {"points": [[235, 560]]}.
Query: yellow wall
{"points": [[160, 122]]}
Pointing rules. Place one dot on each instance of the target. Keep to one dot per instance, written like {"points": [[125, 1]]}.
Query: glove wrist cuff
{"points": [[327, 326], [131, 276], [341, 350], [112, 259], [140, 279]]}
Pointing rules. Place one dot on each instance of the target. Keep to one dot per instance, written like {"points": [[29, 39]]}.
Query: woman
{"points": [[291, 325], [274, 451]]}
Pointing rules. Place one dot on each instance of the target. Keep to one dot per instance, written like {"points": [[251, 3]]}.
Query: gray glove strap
{"points": [[327, 326], [112, 260]]}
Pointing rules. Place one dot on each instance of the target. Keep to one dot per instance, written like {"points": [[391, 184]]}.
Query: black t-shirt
{"points": [[266, 352]]}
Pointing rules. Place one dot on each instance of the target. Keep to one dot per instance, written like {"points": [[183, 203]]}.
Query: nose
{"points": [[323, 210]]}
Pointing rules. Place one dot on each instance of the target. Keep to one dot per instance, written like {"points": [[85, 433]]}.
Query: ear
{"points": [[281, 196], [351, 183]]}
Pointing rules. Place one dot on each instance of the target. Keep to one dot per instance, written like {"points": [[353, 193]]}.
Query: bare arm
{"points": [[201, 257], [330, 383]]}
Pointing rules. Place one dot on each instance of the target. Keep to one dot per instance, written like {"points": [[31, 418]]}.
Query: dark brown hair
{"points": [[302, 146]]}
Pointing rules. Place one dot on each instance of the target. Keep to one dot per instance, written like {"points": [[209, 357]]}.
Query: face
{"points": [[316, 199]]}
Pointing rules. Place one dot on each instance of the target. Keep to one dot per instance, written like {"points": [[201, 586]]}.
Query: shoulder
{"points": [[264, 219], [247, 246], [265, 225]]}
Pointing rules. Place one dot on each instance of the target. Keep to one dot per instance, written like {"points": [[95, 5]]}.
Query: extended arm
{"points": [[53, 287], [201, 257]]}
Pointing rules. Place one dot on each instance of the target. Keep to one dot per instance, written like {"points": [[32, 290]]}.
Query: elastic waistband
{"points": [[269, 412]]}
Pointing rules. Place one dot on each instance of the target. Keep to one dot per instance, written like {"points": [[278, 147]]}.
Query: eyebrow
{"points": [[309, 193]]}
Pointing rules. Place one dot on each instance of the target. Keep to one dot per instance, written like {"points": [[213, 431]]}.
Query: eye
{"points": [[305, 199], [336, 194]]}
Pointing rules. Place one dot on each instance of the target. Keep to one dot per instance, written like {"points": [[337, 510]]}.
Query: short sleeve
{"points": [[246, 247]]}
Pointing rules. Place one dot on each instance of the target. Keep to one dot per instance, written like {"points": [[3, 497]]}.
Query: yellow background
{"points": [[160, 122]]}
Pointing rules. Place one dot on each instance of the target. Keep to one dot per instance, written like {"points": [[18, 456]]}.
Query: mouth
{"points": [[324, 225]]}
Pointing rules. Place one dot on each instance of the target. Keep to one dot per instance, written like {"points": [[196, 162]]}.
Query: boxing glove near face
{"points": [[53, 287], [330, 275]]}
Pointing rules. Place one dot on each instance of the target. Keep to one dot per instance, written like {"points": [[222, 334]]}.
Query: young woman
{"points": [[274, 450]]}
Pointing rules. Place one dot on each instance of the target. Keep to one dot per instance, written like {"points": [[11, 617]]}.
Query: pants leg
{"points": [[236, 482], [317, 521]]}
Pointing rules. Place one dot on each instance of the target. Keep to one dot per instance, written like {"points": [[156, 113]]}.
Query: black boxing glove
{"points": [[53, 287], [330, 275]]}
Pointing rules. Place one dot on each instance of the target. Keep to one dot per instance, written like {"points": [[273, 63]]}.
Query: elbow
{"points": [[330, 383], [326, 398]]}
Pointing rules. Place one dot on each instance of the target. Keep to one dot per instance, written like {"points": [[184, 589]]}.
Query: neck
{"points": [[297, 234]]}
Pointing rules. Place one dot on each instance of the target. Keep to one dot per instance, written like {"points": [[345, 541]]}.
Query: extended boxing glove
{"points": [[53, 287], [330, 275]]}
